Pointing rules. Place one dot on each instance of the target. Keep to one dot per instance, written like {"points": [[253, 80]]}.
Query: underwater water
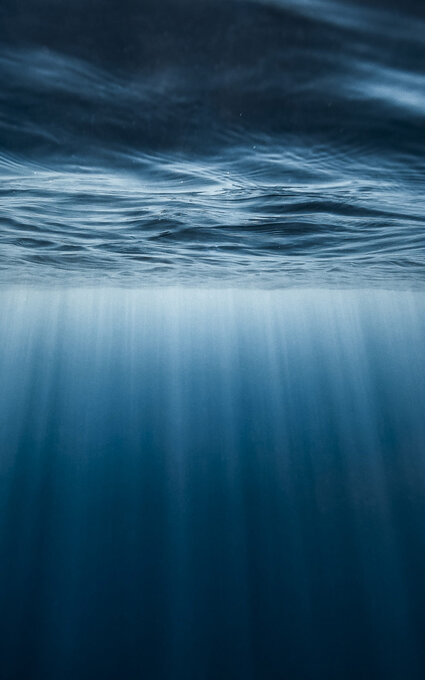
{"points": [[212, 339], [206, 484]]}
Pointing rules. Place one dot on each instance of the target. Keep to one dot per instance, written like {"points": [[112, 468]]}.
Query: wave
{"points": [[246, 141]]}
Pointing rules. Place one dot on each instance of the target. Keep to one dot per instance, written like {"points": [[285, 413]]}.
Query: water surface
{"points": [[260, 143]]}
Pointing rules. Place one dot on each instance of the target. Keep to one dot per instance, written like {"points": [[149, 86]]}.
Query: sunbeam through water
{"points": [[205, 484], [212, 340]]}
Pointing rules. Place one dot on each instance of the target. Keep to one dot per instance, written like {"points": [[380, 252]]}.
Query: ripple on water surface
{"points": [[239, 142]]}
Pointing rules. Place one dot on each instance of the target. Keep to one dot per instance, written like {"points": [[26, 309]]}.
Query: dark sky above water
{"points": [[255, 143]]}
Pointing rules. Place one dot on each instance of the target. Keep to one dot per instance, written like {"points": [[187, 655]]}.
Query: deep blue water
{"points": [[212, 340], [212, 484]]}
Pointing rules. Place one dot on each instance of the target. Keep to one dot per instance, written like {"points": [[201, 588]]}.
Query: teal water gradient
{"points": [[212, 484]]}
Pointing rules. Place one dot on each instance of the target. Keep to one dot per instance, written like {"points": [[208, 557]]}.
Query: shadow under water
{"points": [[200, 484]]}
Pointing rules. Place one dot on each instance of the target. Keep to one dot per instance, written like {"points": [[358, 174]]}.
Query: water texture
{"points": [[212, 333], [240, 142]]}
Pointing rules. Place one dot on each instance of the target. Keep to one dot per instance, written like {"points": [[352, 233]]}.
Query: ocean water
{"points": [[212, 484], [252, 143], [212, 340]]}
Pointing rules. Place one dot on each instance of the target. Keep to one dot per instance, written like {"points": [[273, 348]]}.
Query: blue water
{"points": [[212, 340], [212, 484]]}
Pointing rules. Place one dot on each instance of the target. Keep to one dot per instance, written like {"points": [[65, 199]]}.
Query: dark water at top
{"points": [[265, 143]]}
